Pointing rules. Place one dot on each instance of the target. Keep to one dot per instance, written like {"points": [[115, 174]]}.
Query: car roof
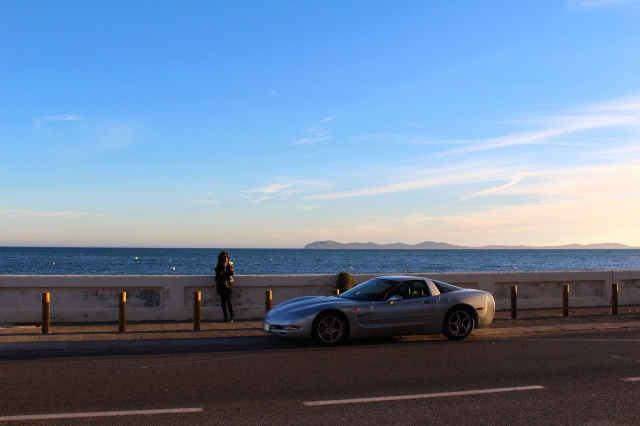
{"points": [[401, 278]]}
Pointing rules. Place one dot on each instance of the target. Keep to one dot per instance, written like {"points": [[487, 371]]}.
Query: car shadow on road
{"points": [[109, 348]]}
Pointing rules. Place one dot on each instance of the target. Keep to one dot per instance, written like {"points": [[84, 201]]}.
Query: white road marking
{"points": [[421, 396], [100, 414], [631, 379]]}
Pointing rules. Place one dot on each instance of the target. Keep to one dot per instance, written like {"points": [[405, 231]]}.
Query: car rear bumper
{"points": [[485, 316]]}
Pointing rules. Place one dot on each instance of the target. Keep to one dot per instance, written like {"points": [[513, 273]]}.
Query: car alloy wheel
{"points": [[330, 329], [458, 324]]}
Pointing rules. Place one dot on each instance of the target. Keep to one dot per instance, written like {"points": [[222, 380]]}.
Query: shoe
{"points": [[231, 320], [226, 319]]}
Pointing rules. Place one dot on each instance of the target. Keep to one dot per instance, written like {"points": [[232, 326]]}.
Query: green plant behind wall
{"points": [[345, 281]]}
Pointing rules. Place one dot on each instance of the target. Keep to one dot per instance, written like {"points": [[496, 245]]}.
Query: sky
{"points": [[273, 124]]}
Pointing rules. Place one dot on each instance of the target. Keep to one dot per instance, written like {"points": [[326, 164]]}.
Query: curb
{"points": [[239, 340], [558, 328]]}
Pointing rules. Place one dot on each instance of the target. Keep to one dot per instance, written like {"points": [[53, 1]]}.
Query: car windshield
{"points": [[444, 287], [374, 289]]}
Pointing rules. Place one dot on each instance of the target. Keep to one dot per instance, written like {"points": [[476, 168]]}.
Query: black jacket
{"points": [[224, 278]]}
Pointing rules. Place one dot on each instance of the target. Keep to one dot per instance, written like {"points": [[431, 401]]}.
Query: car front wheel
{"points": [[330, 329], [458, 324]]}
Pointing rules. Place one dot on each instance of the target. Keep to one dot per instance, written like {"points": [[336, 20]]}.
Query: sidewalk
{"points": [[551, 320], [66, 336]]}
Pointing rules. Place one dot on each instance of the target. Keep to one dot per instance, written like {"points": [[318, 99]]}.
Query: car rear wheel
{"points": [[330, 329], [458, 324]]}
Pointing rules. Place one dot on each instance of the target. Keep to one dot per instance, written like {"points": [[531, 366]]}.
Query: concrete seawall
{"points": [[94, 298]]}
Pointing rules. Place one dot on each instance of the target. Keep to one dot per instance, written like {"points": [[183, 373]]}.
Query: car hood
{"points": [[311, 302]]}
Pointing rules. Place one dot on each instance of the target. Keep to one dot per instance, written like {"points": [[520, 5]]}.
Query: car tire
{"points": [[458, 323], [330, 328]]}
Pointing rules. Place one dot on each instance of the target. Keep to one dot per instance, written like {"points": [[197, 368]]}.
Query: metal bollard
{"points": [[268, 297], [514, 301], [46, 313], [336, 292], [197, 296], [565, 300], [122, 317], [614, 298]]}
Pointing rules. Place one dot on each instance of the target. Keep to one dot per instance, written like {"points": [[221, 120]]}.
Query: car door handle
{"points": [[427, 301]]}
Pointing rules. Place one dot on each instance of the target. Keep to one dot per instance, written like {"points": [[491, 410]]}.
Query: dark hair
{"points": [[221, 256]]}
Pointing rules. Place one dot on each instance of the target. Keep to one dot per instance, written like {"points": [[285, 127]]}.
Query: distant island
{"points": [[430, 245]]}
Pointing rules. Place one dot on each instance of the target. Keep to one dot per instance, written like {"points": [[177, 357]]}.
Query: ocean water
{"points": [[164, 261]]}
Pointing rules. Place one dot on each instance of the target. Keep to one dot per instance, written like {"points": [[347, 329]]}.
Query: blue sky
{"points": [[191, 123]]}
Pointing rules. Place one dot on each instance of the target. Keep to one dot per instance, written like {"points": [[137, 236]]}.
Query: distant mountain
{"points": [[430, 245]]}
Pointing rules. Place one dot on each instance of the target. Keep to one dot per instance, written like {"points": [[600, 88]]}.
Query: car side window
{"points": [[419, 289], [410, 290], [401, 290]]}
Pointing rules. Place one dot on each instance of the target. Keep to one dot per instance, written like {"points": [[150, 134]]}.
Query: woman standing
{"points": [[224, 279]]}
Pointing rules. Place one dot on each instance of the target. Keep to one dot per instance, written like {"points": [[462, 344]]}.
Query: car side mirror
{"points": [[394, 298]]}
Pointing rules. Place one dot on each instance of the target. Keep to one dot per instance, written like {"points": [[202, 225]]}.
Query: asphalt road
{"points": [[557, 379]]}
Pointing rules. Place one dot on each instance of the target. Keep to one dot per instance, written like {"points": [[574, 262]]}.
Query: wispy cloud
{"points": [[627, 103], [614, 180], [316, 135], [500, 174], [580, 204], [87, 134], [557, 221], [546, 130], [436, 177], [554, 127], [115, 134], [41, 121], [275, 189], [206, 202], [403, 139], [514, 181], [598, 4], [31, 214], [282, 188], [256, 196]]}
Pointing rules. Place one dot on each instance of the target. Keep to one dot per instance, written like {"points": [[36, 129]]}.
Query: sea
{"points": [[200, 261]]}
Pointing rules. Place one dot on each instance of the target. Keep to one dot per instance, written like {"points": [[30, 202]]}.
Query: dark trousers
{"points": [[225, 300]]}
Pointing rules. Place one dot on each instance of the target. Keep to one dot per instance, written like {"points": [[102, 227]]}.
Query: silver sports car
{"points": [[384, 306]]}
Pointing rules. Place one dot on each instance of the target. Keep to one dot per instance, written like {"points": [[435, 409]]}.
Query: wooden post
{"points": [[268, 297], [614, 298], [514, 301], [122, 317], [46, 313], [565, 300], [197, 296]]}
